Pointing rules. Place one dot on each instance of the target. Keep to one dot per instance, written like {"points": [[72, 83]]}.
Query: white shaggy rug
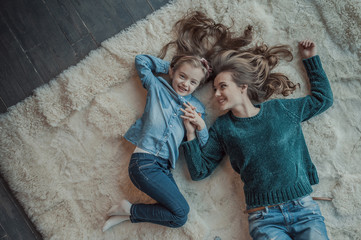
{"points": [[63, 155]]}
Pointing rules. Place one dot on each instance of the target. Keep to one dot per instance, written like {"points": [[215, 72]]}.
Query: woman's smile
{"points": [[221, 100]]}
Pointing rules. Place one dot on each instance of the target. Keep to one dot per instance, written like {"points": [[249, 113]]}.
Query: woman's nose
{"points": [[217, 93]]}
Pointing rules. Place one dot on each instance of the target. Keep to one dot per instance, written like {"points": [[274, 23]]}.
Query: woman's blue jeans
{"points": [[300, 219], [152, 175]]}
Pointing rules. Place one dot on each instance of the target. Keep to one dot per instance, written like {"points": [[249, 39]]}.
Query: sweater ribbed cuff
{"points": [[313, 177], [312, 63], [190, 144]]}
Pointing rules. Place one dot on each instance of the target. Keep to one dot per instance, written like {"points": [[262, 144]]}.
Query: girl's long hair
{"points": [[253, 67], [198, 35]]}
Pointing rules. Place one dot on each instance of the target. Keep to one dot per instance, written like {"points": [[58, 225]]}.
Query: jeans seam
{"points": [[132, 178]]}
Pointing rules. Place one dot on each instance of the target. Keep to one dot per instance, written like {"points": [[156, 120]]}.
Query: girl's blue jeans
{"points": [[300, 219], [152, 175]]}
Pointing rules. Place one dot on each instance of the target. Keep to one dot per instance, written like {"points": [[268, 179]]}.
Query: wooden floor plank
{"points": [[137, 12], [3, 107], [103, 18], [156, 4], [18, 78], [12, 217], [72, 26], [5, 237], [68, 19], [83, 47], [3, 233]]}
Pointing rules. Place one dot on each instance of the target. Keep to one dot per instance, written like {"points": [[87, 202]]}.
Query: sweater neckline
{"points": [[258, 115]]}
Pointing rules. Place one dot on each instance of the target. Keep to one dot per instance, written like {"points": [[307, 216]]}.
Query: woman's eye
{"points": [[194, 83], [182, 76]]}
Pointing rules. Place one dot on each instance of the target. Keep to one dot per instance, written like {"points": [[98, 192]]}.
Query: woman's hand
{"points": [[190, 128], [307, 49], [192, 116]]}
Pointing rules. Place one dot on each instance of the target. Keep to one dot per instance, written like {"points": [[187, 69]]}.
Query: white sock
{"points": [[122, 209], [112, 221]]}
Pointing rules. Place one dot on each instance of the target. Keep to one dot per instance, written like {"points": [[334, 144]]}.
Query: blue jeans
{"points": [[152, 175], [300, 219]]}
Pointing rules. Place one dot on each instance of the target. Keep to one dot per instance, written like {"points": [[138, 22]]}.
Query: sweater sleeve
{"points": [[321, 97], [147, 66], [201, 162]]}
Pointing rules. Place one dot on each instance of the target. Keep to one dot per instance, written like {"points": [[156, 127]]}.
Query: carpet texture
{"points": [[62, 152]]}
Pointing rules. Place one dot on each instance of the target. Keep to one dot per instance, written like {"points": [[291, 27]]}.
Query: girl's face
{"points": [[226, 91], [186, 79]]}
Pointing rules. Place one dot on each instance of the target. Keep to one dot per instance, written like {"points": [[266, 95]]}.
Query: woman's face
{"points": [[227, 93], [186, 79]]}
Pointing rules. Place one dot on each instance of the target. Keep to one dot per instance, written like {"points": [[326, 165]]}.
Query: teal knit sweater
{"points": [[268, 150]]}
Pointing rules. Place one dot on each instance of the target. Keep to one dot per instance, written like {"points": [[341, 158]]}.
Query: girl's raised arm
{"points": [[147, 66]]}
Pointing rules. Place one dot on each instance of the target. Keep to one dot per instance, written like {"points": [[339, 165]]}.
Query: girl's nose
{"points": [[185, 83], [217, 93]]}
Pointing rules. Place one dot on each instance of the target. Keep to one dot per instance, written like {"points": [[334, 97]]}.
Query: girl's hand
{"points": [[307, 48], [193, 117]]}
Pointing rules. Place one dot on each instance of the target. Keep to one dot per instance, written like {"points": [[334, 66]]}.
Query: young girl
{"points": [[160, 131], [265, 142], [157, 136]]}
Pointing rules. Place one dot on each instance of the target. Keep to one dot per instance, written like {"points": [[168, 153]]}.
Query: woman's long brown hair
{"points": [[253, 67], [198, 35]]}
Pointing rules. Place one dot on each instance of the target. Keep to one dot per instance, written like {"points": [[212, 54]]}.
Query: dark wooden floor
{"points": [[38, 40], [14, 224]]}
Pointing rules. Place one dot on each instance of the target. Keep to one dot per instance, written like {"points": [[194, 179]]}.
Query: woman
{"points": [[265, 142]]}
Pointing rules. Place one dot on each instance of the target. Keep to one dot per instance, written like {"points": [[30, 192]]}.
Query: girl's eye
{"points": [[182, 76], [193, 82], [223, 86]]}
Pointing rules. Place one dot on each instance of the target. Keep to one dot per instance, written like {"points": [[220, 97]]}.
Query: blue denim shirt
{"points": [[160, 130]]}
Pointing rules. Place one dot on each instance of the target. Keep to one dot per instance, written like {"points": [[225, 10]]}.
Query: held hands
{"points": [[192, 121], [192, 116], [307, 49]]}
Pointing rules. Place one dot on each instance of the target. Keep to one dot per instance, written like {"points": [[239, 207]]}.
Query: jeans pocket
{"points": [[256, 215], [140, 162], [308, 203], [256, 220], [142, 168], [145, 163]]}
